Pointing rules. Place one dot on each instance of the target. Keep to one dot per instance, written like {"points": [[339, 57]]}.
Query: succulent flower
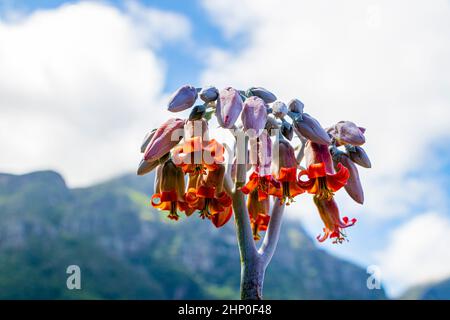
{"points": [[311, 129], [171, 191], [353, 185], [228, 107], [322, 180], [164, 139], [209, 198], [254, 115], [346, 132], [258, 210], [285, 171], [182, 99], [262, 93], [329, 213]]}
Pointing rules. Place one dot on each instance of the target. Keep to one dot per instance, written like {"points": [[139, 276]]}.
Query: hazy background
{"points": [[82, 81]]}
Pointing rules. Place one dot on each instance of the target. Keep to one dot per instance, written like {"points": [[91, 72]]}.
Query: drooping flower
{"points": [[254, 115], [182, 99], [329, 213], [258, 210], [165, 138], [261, 180], [228, 107], [353, 186], [209, 197], [198, 153], [346, 132], [322, 180], [169, 194], [311, 129], [285, 171]]}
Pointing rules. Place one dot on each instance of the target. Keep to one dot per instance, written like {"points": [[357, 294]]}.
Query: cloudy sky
{"points": [[81, 82]]}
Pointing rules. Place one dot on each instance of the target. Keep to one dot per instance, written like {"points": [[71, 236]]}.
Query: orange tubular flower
{"points": [[210, 199], [261, 158], [329, 213], [198, 153], [170, 190], [286, 173], [262, 185], [322, 180], [258, 211]]}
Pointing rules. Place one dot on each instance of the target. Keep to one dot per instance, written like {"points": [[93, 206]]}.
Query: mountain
{"points": [[430, 291], [127, 250]]}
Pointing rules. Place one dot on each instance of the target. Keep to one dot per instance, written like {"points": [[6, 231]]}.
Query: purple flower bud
{"points": [[346, 132], [182, 99], [359, 156], [296, 106], [311, 129], [287, 130], [165, 138], [254, 115], [209, 94], [262, 93], [279, 109], [228, 107], [353, 186]]}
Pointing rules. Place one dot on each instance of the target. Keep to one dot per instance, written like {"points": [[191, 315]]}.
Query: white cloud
{"points": [[417, 253], [79, 87]]}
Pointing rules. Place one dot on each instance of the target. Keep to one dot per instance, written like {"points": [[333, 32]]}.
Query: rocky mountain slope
{"points": [[127, 250]]}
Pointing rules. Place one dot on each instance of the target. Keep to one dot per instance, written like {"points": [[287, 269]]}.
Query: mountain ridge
{"points": [[110, 226]]}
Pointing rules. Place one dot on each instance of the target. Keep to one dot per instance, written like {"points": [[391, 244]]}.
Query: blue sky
{"points": [[365, 61]]}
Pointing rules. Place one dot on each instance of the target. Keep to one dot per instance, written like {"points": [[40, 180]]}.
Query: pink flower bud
{"points": [[311, 129], [165, 138], [353, 186], [228, 107], [254, 115], [318, 153], [359, 156], [182, 99], [346, 132]]}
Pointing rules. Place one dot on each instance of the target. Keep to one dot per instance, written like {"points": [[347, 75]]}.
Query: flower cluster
{"points": [[193, 176]]}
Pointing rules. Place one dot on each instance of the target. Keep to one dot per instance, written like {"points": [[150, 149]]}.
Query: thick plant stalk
{"points": [[253, 262]]}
